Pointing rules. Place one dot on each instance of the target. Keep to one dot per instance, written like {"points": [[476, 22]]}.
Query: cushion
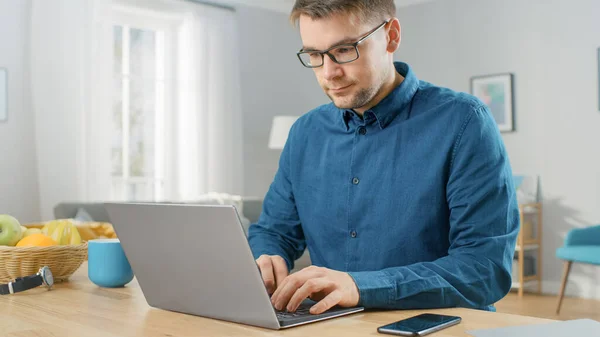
{"points": [[583, 254], [83, 216], [226, 199]]}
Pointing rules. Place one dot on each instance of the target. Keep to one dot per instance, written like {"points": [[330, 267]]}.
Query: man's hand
{"points": [[327, 287], [273, 269]]}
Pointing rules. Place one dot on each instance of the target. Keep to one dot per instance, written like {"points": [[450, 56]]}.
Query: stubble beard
{"points": [[363, 97], [360, 99]]}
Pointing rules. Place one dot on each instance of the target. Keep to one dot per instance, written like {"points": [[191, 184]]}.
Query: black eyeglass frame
{"points": [[354, 45]]}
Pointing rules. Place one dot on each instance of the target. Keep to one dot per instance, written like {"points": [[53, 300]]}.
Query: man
{"points": [[402, 191]]}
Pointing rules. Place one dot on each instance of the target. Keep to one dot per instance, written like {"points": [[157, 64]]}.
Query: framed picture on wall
{"points": [[3, 95], [496, 91]]}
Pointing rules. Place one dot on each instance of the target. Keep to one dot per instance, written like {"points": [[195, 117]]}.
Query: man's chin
{"points": [[347, 101], [342, 106], [342, 103]]}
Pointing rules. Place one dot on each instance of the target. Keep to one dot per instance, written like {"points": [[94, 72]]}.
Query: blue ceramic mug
{"points": [[107, 264]]}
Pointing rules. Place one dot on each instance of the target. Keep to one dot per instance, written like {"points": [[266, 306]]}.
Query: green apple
{"points": [[30, 231], [10, 230]]}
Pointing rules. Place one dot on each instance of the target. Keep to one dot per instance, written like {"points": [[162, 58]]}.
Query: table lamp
{"points": [[280, 130]]}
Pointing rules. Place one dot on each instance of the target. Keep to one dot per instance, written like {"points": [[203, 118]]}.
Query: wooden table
{"points": [[79, 308]]}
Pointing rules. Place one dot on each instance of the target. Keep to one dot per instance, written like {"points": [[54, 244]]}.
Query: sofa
{"points": [[251, 209]]}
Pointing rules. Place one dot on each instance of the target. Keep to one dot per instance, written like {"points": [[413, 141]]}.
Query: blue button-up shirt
{"points": [[415, 200]]}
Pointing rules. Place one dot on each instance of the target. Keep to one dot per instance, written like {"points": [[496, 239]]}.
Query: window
{"points": [[142, 65], [174, 124]]}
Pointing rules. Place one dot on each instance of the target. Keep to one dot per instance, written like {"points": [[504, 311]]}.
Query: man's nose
{"points": [[331, 69]]}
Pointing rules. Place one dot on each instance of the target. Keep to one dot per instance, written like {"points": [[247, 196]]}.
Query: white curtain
{"points": [[69, 89], [71, 96], [210, 123]]}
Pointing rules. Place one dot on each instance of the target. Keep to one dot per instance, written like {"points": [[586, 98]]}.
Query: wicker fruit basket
{"points": [[24, 261]]}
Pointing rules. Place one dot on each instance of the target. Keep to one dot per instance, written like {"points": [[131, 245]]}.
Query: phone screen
{"points": [[420, 323]]}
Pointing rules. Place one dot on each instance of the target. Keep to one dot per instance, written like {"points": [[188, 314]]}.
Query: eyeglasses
{"points": [[340, 54]]}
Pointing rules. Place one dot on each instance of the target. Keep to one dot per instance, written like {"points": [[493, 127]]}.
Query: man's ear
{"points": [[394, 35]]}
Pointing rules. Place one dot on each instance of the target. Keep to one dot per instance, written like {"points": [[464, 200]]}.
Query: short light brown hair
{"points": [[366, 10]]}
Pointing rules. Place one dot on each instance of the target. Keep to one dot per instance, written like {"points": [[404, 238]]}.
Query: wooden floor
{"points": [[545, 307]]}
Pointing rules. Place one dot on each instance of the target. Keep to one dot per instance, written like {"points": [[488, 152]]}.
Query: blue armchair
{"points": [[582, 245]]}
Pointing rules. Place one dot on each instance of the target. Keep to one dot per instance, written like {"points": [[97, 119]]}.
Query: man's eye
{"points": [[343, 50], [314, 55]]}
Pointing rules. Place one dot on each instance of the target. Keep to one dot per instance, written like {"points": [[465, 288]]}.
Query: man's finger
{"points": [[285, 291], [327, 303], [266, 270], [280, 269], [288, 287], [308, 288]]}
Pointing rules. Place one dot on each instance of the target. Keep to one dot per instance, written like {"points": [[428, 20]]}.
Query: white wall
{"points": [[551, 47], [18, 173], [273, 82]]}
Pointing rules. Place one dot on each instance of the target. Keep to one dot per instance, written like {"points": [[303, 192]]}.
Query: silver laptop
{"points": [[195, 259]]}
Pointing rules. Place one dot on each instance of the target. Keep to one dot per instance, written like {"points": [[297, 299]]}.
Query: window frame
{"points": [[165, 114]]}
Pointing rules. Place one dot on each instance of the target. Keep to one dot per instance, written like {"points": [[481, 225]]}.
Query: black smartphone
{"points": [[420, 325]]}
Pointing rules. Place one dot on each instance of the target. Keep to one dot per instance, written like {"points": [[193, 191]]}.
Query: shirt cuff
{"points": [[374, 288]]}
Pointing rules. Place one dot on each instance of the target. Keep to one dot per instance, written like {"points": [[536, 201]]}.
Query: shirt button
{"points": [[362, 130], [353, 234], [355, 181]]}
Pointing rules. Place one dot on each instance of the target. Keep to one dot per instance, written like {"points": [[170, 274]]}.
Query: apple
{"points": [[10, 230], [30, 231]]}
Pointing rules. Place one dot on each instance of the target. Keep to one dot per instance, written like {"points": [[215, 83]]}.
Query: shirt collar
{"points": [[395, 102]]}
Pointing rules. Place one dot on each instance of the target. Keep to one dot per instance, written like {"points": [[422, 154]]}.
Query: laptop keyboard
{"points": [[303, 310]]}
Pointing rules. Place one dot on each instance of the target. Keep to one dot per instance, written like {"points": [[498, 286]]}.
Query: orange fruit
{"points": [[36, 240]]}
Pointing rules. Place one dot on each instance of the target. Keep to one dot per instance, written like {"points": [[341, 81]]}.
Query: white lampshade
{"points": [[279, 131]]}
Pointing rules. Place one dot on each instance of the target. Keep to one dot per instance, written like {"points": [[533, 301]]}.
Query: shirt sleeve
{"points": [[278, 230], [484, 222]]}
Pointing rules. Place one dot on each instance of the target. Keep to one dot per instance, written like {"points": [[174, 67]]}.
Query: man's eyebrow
{"points": [[343, 41]]}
